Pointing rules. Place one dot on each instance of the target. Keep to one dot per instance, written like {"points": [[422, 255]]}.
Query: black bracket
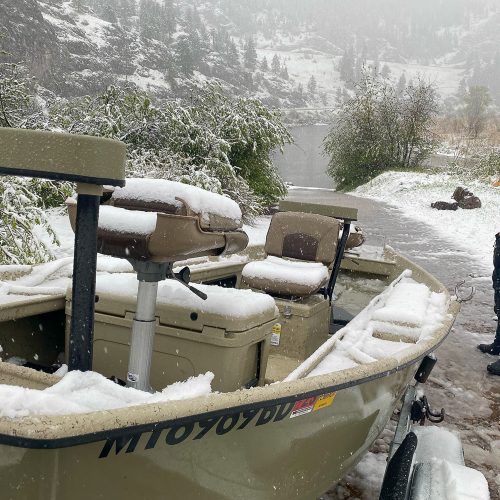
{"points": [[338, 260], [421, 410]]}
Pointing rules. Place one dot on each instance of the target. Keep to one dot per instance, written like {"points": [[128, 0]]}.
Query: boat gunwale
{"points": [[24, 431]]}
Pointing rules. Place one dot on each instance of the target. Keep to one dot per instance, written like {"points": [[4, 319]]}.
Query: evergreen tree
{"points": [[401, 84], [276, 65], [312, 85], [375, 66], [346, 67], [263, 64], [250, 54], [232, 54], [284, 72], [477, 100], [184, 55], [385, 72]]}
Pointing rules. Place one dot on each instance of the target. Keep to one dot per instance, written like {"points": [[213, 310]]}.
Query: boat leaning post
{"points": [[91, 162]]}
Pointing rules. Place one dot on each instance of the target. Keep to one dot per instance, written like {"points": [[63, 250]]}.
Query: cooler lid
{"points": [[226, 308]]}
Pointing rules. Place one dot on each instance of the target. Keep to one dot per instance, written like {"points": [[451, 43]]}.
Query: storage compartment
{"points": [[228, 334], [304, 326]]}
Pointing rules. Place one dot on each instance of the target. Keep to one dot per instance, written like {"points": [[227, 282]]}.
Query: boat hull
{"points": [[287, 448]]}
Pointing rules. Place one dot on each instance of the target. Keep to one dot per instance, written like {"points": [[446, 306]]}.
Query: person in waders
{"points": [[494, 348]]}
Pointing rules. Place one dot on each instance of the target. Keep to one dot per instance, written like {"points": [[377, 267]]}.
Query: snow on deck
{"points": [[408, 305], [83, 392]]}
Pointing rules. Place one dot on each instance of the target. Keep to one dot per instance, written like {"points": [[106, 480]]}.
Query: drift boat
{"points": [[308, 345]]}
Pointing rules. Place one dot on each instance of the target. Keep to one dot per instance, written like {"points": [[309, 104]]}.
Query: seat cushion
{"points": [[216, 212], [285, 277]]}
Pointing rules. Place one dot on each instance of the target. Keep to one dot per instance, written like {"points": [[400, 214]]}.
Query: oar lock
{"points": [[461, 295]]}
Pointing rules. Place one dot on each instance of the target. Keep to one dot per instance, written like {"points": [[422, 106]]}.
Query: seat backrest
{"points": [[303, 236]]}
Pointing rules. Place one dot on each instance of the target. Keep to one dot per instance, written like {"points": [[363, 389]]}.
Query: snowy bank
{"points": [[471, 230]]}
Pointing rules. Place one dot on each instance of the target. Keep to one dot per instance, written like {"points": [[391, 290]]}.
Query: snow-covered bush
{"points": [[21, 214], [220, 143], [380, 127]]}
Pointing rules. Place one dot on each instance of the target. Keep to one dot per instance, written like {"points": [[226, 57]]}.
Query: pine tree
{"points": [[232, 54], [385, 72], [250, 54], [184, 55], [312, 85], [346, 67], [276, 65], [284, 72], [263, 64], [401, 84]]}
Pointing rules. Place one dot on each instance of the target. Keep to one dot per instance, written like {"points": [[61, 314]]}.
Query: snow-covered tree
{"points": [[16, 99], [276, 64], [312, 86], [378, 128], [221, 142], [250, 54]]}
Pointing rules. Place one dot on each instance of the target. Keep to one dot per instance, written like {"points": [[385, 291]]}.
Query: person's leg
{"points": [[494, 348]]}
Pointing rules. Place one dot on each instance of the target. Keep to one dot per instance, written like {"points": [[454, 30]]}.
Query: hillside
{"points": [[265, 48]]}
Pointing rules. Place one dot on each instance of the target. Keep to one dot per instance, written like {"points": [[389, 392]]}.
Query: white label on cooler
{"points": [[276, 334]]}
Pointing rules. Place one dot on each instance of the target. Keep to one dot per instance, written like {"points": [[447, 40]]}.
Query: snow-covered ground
{"points": [[460, 382], [471, 230]]}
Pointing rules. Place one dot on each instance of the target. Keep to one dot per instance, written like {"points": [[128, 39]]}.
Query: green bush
{"points": [[214, 141], [380, 128], [21, 218]]}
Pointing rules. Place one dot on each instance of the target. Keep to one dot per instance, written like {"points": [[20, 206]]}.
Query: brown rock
{"points": [[444, 205]]}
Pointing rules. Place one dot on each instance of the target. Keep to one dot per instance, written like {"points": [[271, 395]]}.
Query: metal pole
{"points": [[143, 333], [338, 259], [84, 270]]}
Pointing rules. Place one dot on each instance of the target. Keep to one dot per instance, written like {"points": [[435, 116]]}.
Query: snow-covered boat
{"points": [[303, 379]]}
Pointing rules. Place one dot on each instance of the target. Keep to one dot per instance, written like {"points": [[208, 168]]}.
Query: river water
{"points": [[459, 382]]}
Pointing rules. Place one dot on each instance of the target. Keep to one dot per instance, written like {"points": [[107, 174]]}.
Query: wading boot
{"points": [[494, 368], [490, 348]]}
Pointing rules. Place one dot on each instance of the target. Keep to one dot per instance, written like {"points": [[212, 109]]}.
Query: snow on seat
{"points": [[139, 221], [287, 277], [215, 212], [310, 240]]}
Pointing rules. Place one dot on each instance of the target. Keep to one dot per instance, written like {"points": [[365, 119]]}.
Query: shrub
{"points": [[380, 128]]}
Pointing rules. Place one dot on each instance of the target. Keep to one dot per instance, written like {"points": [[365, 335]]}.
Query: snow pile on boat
{"points": [[120, 220], [228, 302], [288, 271], [199, 200], [83, 392], [404, 314]]}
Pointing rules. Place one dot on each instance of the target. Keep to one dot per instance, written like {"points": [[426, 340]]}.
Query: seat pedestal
{"points": [[144, 325]]}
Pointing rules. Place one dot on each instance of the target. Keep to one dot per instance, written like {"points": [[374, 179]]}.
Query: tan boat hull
{"points": [[287, 440]]}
